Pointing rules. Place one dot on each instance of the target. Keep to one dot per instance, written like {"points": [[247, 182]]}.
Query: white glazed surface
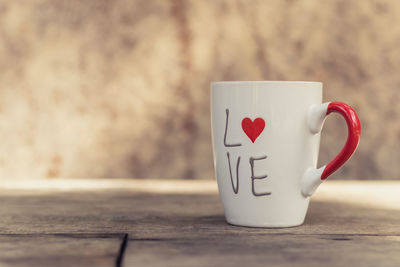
{"points": [[287, 141]]}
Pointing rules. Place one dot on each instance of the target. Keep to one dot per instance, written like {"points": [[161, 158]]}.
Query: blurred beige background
{"points": [[121, 88]]}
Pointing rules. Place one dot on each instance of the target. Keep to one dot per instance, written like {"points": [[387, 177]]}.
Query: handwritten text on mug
{"points": [[252, 129]]}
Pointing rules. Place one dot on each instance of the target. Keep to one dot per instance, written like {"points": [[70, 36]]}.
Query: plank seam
{"points": [[122, 248]]}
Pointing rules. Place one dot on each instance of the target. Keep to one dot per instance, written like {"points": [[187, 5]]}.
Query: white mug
{"points": [[266, 138]]}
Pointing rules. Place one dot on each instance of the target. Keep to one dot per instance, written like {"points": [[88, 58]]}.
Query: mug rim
{"points": [[265, 82]]}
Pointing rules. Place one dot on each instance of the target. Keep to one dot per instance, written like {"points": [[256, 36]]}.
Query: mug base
{"points": [[263, 225]]}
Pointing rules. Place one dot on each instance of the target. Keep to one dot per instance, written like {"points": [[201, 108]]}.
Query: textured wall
{"points": [[121, 88]]}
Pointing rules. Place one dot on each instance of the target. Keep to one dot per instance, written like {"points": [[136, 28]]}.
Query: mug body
{"points": [[262, 147]]}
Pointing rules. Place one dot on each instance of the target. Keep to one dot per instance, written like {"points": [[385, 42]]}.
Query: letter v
{"points": [[235, 189]]}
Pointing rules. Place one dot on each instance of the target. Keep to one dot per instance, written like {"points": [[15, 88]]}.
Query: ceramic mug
{"points": [[266, 138]]}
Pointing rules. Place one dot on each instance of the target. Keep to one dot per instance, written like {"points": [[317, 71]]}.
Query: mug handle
{"points": [[317, 114]]}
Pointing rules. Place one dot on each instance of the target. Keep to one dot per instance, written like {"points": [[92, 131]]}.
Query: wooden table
{"points": [[181, 223]]}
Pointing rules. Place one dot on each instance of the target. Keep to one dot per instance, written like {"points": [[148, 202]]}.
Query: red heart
{"points": [[253, 128]]}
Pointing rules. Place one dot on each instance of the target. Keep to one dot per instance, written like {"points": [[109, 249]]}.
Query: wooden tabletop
{"points": [[181, 223]]}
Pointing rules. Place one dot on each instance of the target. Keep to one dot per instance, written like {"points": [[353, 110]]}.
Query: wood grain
{"points": [[338, 208], [58, 250], [181, 223], [266, 250]]}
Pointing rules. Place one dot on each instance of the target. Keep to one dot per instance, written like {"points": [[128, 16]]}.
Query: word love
{"points": [[252, 129]]}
